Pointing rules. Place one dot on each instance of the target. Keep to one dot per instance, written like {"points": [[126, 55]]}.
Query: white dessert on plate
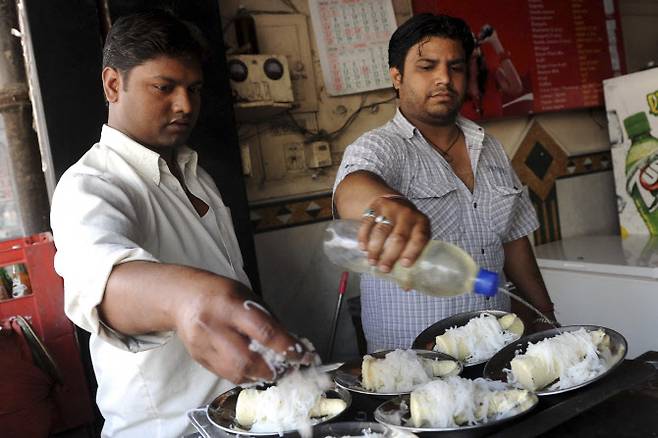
{"points": [[480, 338], [297, 401], [455, 401], [568, 359], [402, 370]]}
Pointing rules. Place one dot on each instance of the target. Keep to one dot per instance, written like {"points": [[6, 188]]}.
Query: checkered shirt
{"points": [[497, 211]]}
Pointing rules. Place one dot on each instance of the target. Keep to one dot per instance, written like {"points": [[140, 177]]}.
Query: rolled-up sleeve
{"points": [[374, 153], [524, 217], [95, 227]]}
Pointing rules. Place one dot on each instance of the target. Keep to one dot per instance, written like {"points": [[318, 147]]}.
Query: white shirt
{"points": [[121, 203], [497, 211]]}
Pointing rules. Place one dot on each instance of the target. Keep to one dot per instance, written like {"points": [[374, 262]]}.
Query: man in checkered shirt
{"points": [[431, 174]]}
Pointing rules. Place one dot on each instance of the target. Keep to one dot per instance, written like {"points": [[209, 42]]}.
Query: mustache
{"points": [[446, 89], [186, 120]]}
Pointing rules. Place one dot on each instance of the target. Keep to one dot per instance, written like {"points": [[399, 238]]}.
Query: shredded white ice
{"points": [[275, 361], [455, 401], [482, 336], [399, 371], [573, 356], [278, 363], [287, 405]]}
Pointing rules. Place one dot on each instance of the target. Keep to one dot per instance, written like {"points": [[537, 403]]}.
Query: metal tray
{"points": [[348, 375], [494, 369], [355, 428], [399, 407], [221, 412], [427, 338]]}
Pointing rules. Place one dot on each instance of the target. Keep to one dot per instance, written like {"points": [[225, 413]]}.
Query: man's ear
{"points": [[396, 77], [111, 84]]}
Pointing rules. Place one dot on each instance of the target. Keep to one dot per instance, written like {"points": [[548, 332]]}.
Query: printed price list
{"points": [[570, 45]]}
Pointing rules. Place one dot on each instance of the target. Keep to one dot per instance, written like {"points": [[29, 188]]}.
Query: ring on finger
{"points": [[368, 213], [383, 220]]}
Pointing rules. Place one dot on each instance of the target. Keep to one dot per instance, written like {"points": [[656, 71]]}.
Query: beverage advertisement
{"points": [[632, 107]]}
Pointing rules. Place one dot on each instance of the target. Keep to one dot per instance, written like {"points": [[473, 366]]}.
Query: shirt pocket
{"points": [[502, 207], [440, 203]]}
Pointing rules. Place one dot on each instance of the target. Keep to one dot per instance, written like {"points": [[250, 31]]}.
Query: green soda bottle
{"points": [[642, 169]]}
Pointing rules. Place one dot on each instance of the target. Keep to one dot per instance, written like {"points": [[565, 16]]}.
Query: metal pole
{"points": [[38, 111], [342, 287], [22, 177]]}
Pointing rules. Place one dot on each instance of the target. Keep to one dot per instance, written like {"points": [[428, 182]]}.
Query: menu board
{"points": [[352, 38], [537, 55]]}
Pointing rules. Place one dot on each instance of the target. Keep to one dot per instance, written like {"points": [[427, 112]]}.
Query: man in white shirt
{"points": [[146, 247]]}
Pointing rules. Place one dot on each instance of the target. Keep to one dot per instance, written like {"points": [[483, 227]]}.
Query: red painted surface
{"points": [[44, 309], [559, 49]]}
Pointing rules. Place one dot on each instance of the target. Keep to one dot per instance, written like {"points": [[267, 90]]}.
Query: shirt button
{"points": [[482, 249], [475, 205]]}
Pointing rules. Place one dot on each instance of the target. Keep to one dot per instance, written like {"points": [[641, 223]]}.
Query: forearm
{"points": [[522, 270], [207, 311], [142, 297], [357, 191]]}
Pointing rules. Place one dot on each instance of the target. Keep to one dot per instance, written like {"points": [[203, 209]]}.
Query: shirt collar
{"points": [[473, 132], [147, 162], [187, 159], [404, 125]]}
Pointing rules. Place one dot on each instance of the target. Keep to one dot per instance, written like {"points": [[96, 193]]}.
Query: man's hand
{"points": [[217, 327], [393, 229], [214, 317], [522, 270], [400, 233]]}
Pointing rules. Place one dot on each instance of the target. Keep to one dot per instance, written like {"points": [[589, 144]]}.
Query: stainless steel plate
{"points": [[427, 338], [348, 375], [354, 428], [501, 360], [397, 409], [221, 412]]}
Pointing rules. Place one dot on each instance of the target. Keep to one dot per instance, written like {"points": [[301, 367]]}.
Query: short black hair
{"points": [[137, 38], [424, 26]]}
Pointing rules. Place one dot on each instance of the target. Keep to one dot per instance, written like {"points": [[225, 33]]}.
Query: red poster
{"points": [[537, 55]]}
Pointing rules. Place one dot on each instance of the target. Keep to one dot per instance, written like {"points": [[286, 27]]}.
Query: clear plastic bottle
{"points": [[442, 269]]}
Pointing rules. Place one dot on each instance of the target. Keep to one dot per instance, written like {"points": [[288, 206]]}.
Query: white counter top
{"points": [[634, 256]]}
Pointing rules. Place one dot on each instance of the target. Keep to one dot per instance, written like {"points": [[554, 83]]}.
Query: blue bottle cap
{"points": [[486, 283]]}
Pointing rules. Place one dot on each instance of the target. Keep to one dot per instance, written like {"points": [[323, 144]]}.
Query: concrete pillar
{"points": [[24, 206]]}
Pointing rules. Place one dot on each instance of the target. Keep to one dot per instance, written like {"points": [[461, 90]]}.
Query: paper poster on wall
{"points": [[352, 39], [631, 103], [537, 55]]}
